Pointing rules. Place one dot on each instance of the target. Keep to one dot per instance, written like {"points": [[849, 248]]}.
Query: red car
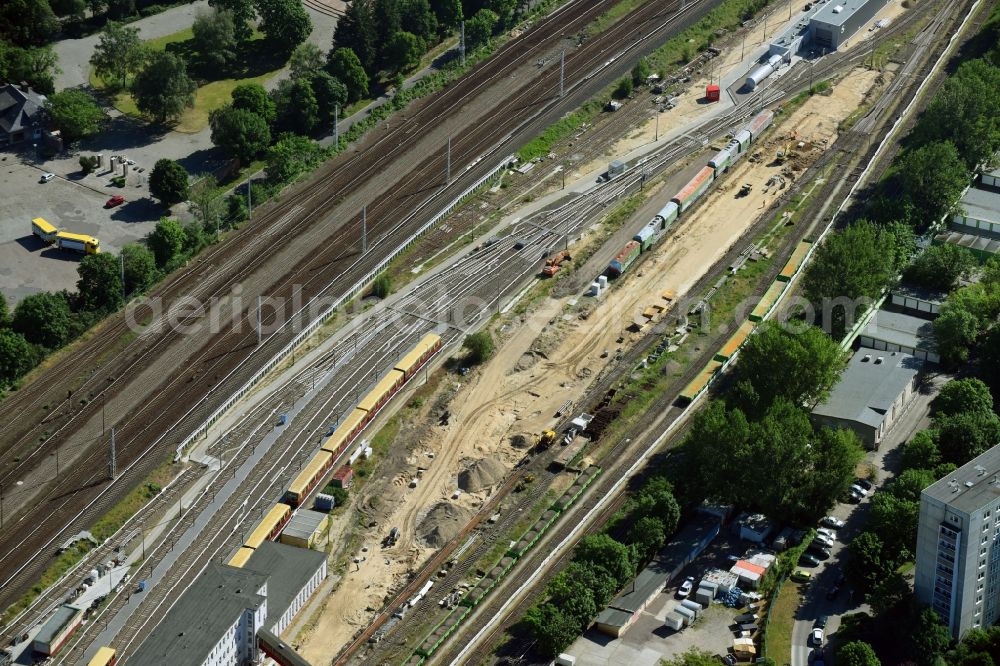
{"points": [[116, 200]]}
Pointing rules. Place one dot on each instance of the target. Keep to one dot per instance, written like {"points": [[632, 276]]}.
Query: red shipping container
{"points": [[342, 477], [712, 92]]}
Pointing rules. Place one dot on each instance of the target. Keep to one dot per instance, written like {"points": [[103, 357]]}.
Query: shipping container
{"points": [[624, 259], [615, 168], [673, 621], [721, 161], [695, 188], [759, 124], [667, 215], [342, 477], [78, 243], [41, 228], [744, 139], [645, 237]]}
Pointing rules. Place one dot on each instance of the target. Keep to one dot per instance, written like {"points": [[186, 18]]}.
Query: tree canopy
{"points": [[963, 395], [166, 242], [290, 156], [163, 89], [240, 133], [43, 319], [17, 356], [356, 32], [75, 113], [215, 38], [479, 28], [298, 110], [285, 23], [27, 22], [100, 283], [168, 182], [344, 65], [403, 51], [139, 267], [253, 98], [119, 53], [935, 177], [940, 266], [480, 346]]}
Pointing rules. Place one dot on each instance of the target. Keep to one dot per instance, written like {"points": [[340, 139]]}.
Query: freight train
{"points": [[338, 439], [647, 236]]}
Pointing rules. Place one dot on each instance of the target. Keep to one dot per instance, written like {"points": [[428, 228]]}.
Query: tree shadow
{"points": [[254, 58]]}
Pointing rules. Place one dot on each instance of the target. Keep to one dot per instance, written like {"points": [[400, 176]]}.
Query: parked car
{"points": [[819, 552], [46, 177], [823, 540], [855, 488], [116, 200], [685, 589], [830, 521], [856, 494], [865, 484], [808, 560], [816, 637], [821, 622], [827, 532], [801, 576], [729, 660]]}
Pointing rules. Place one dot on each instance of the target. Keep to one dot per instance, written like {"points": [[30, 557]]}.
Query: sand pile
{"points": [[481, 474], [442, 524]]}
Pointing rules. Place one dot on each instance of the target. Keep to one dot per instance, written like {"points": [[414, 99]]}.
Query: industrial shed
{"points": [[895, 331], [873, 391], [991, 179], [917, 301], [832, 25], [978, 213], [677, 554], [983, 247], [305, 528]]}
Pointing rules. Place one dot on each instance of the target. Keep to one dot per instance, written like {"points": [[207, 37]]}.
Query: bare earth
{"points": [[546, 358]]}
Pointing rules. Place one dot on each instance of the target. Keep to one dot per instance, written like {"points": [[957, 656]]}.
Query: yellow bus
{"points": [[104, 657], [78, 243], [41, 228]]}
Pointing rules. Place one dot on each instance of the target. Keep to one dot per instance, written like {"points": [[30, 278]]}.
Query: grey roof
{"points": [[304, 523], [658, 572], [849, 8], [867, 389], [63, 616], [981, 204], [612, 617], [970, 241], [201, 617], [933, 296], [901, 329], [18, 108], [972, 486], [288, 569]]}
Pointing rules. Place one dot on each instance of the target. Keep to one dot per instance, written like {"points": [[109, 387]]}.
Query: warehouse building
{"points": [[680, 551], [838, 20], [57, 630], [216, 621], [305, 529], [975, 224], [899, 332], [872, 392], [917, 301]]}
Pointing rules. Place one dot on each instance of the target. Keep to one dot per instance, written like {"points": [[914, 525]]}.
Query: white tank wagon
{"points": [[762, 72]]}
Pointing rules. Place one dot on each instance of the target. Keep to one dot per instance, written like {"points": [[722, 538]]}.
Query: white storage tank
{"points": [[603, 281], [762, 72], [595, 288]]}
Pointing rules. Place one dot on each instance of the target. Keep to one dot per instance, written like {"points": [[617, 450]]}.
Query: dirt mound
{"points": [[481, 474], [442, 524]]}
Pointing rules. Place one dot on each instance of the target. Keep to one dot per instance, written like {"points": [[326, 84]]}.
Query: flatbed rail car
{"points": [[105, 657], [766, 304], [795, 261], [698, 385], [44, 230], [736, 341], [270, 525]]}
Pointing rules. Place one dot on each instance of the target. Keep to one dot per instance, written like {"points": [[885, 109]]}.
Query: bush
{"points": [[624, 88], [382, 286], [88, 164], [480, 346]]}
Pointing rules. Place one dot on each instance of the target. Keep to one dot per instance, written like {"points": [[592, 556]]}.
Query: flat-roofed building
{"points": [[899, 332], [838, 20]]}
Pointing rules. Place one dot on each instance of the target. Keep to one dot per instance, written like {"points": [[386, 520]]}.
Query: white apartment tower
{"points": [[958, 545]]}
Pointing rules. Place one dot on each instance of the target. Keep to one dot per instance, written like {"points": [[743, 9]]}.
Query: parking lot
{"points": [[72, 203]]}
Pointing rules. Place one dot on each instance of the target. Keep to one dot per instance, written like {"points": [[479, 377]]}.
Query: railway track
{"points": [[223, 363]]}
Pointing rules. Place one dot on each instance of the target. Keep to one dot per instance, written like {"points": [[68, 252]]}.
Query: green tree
{"points": [[603, 551], [194, 238], [100, 283], [922, 451], [345, 66], [298, 110], [43, 319], [965, 435], [506, 10], [388, 21], [940, 266], [894, 519], [119, 53], [306, 61], [253, 98], [206, 204], [847, 272], [243, 16], [403, 52], [448, 13], [909, 484], [168, 182], [88, 163], [648, 535], [929, 638], [166, 242], [933, 177], [480, 346], [163, 88], [290, 156], [656, 499], [578, 575], [140, 268], [27, 22], [479, 28], [75, 113], [869, 563], [800, 367], [285, 23], [237, 210], [623, 89], [955, 332], [641, 72], [356, 32], [34, 65], [215, 38], [382, 286], [889, 594], [4, 312], [239, 133], [74, 8], [331, 97], [17, 356], [419, 18], [963, 395], [693, 657], [553, 630]]}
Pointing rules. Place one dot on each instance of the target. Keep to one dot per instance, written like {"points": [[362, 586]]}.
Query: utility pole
{"points": [[562, 73], [656, 137], [258, 321], [336, 132], [249, 201], [364, 229], [447, 169], [743, 48], [461, 43], [121, 259], [57, 464], [114, 459]]}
